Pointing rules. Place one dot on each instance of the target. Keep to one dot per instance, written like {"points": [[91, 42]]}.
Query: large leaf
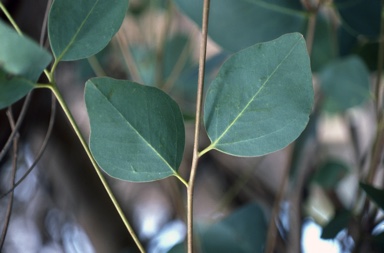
{"points": [[261, 99], [79, 29], [377, 195], [21, 56], [12, 88], [345, 83], [137, 132], [243, 231], [237, 24]]}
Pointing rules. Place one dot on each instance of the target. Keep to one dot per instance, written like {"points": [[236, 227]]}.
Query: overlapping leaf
{"points": [[21, 63], [237, 24], [345, 83], [137, 132], [79, 29], [261, 99]]}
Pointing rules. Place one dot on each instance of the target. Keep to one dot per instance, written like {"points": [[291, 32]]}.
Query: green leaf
{"points": [[360, 17], [137, 132], [79, 29], [237, 24], [345, 82], [330, 173], [336, 224], [21, 56], [12, 88], [261, 99], [244, 231], [377, 195]]}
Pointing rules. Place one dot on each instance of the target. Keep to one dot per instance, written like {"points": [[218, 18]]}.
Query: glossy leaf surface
{"points": [[237, 24], [345, 83], [79, 29], [137, 132], [21, 56], [261, 99]]}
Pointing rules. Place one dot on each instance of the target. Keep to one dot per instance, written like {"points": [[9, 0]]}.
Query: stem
{"points": [[272, 229], [195, 158], [13, 176], [75, 127], [9, 17]]}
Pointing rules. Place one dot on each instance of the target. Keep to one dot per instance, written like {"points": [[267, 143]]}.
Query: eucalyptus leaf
{"points": [[377, 195], [237, 24], [21, 56], [13, 88], [79, 29], [261, 98], [345, 82], [330, 173], [137, 132], [336, 224], [243, 231]]}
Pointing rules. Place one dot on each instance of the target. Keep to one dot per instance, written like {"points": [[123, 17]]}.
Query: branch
{"points": [[195, 158]]}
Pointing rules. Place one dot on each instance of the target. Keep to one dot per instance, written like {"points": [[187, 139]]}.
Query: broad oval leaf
{"points": [[345, 82], [79, 29], [13, 88], [261, 99], [21, 56], [237, 24], [137, 132]]}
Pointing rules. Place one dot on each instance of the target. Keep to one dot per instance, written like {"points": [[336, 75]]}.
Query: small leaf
{"points": [[79, 29], [137, 132], [21, 56], [12, 88], [237, 24], [345, 83], [336, 224], [330, 173], [375, 194], [261, 99]]}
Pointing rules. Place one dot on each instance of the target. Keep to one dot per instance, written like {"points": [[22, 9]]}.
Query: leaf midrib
{"points": [[134, 129], [254, 97], [72, 41]]}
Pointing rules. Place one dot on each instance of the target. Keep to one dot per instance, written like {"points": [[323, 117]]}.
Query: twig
{"points": [[128, 59], [17, 125], [9, 17], [45, 21], [195, 157], [13, 176], [272, 229], [52, 86], [42, 148], [159, 69]]}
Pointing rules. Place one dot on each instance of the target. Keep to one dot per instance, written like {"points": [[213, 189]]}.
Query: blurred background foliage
{"points": [[283, 202]]}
